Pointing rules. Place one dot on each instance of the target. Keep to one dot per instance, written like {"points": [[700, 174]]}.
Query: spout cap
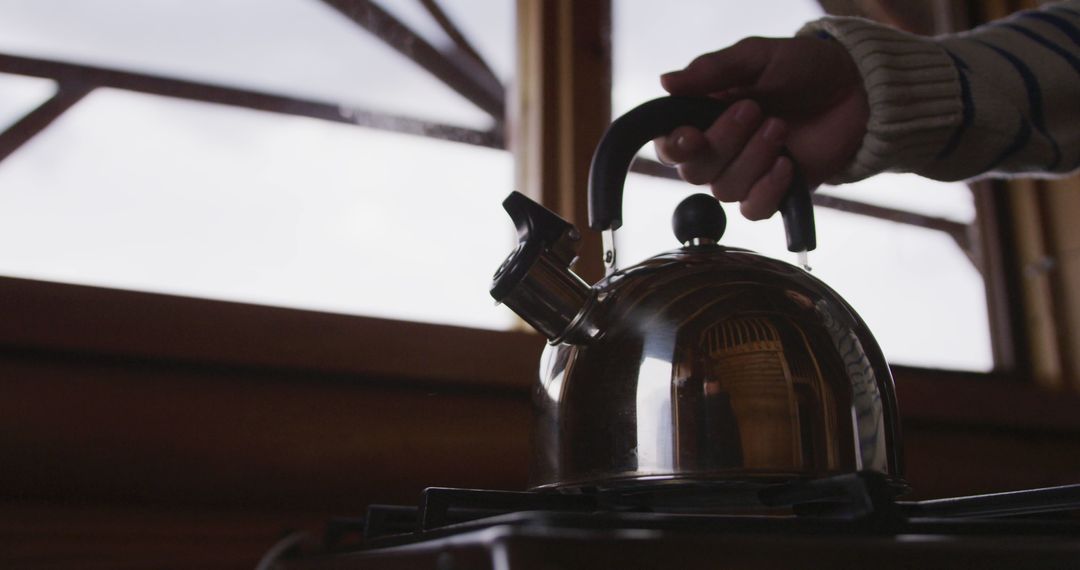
{"points": [[539, 230], [535, 281]]}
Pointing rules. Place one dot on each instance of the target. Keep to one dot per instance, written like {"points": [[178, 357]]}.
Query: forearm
{"points": [[1002, 99]]}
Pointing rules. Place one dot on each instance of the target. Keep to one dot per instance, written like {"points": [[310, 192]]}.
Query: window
{"points": [[266, 151], [912, 280], [262, 151]]}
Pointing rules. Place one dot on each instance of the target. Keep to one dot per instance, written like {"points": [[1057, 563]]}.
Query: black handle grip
{"points": [[658, 117]]}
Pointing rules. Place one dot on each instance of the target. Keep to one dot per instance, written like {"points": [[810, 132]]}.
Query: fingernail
{"points": [[773, 131], [781, 168], [734, 93], [746, 112], [723, 95], [683, 142]]}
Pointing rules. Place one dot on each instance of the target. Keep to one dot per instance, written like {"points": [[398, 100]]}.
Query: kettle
{"points": [[706, 364]]}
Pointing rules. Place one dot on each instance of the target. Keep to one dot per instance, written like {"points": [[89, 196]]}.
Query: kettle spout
{"points": [[536, 282]]}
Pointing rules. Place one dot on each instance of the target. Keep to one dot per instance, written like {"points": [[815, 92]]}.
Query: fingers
{"points": [[712, 73], [766, 194], [727, 137], [753, 162], [812, 83], [702, 157], [738, 156], [682, 145]]}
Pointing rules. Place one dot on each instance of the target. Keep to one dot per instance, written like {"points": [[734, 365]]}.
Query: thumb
{"points": [[738, 66]]}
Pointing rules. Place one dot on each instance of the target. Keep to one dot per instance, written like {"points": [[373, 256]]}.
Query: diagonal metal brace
{"points": [[26, 128], [397, 35], [78, 74], [463, 45]]}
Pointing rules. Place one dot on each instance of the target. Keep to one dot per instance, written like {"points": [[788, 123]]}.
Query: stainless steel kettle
{"points": [[705, 363]]}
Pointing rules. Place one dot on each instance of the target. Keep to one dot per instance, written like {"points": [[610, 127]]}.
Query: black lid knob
{"points": [[699, 216]]}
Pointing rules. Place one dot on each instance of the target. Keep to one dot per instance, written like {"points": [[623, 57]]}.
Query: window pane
{"points": [[651, 38], [951, 200], [293, 47], [159, 194]]}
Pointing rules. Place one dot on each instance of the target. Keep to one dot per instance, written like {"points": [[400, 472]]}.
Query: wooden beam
{"points": [[1062, 202], [44, 534], [90, 430], [995, 248], [977, 400], [249, 99], [563, 106], [1041, 290], [1051, 272], [74, 319]]}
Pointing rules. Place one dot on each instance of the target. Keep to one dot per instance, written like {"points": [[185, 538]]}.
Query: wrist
{"points": [[909, 90]]}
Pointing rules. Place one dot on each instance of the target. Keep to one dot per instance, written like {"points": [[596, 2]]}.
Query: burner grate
{"points": [[856, 503]]}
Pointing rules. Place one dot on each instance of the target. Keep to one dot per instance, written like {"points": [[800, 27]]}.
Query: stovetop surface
{"points": [[646, 541], [847, 521], [703, 524]]}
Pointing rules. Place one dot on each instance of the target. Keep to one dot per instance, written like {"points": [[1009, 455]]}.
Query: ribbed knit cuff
{"points": [[913, 89]]}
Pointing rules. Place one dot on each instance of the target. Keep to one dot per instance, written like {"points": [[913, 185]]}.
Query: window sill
{"points": [[979, 400], [78, 319]]}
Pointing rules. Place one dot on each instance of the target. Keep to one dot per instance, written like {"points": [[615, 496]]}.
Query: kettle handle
{"points": [[658, 117]]}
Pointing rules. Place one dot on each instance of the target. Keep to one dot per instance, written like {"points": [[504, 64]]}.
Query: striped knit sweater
{"points": [[1002, 99]]}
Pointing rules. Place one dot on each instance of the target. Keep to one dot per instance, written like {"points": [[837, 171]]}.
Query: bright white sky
{"points": [[157, 194]]}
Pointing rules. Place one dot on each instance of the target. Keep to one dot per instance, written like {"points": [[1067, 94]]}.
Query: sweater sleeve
{"points": [[1003, 99]]}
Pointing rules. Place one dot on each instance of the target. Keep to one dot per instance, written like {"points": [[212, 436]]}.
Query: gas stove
{"points": [[846, 521]]}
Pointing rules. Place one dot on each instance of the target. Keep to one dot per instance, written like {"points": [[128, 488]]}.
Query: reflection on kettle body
{"points": [[653, 412], [866, 403], [761, 404]]}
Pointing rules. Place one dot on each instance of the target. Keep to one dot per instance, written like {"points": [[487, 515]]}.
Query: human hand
{"points": [[804, 94]]}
